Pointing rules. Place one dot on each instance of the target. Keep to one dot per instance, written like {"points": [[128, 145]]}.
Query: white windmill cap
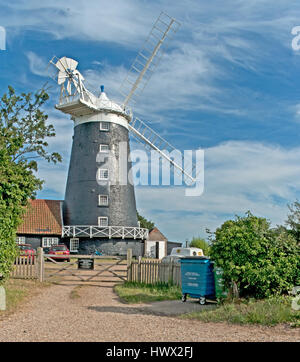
{"points": [[104, 102]]}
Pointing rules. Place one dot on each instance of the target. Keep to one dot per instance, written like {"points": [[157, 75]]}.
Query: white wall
{"points": [[151, 249]]}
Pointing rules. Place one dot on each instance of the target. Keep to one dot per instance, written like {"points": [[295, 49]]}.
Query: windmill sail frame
{"points": [[144, 65], [148, 137]]}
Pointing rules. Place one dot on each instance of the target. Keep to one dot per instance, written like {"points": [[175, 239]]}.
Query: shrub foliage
{"points": [[259, 260], [23, 131]]}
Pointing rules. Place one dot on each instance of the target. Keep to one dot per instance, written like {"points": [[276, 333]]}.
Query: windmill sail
{"points": [[137, 78], [148, 58], [148, 137]]}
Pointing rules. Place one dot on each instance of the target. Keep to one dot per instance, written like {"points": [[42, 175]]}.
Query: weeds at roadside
{"points": [[74, 294], [17, 292], [268, 312], [133, 292]]}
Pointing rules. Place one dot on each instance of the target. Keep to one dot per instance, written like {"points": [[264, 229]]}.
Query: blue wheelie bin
{"points": [[197, 278]]}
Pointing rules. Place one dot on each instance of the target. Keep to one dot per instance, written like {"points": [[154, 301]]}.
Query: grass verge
{"points": [[17, 292], [132, 292], [267, 312]]}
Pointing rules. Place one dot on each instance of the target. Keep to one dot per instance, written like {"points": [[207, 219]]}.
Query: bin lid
{"points": [[194, 258]]}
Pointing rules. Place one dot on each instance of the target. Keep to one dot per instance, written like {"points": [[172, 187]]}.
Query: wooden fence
{"points": [[149, 271], [153, 271], [28, 267]]}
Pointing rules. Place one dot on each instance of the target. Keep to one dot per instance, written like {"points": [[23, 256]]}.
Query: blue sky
{"points": [[229, 83]]}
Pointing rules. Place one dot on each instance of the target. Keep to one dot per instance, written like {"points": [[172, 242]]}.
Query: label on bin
{"points": [[191, 274], [192, 284]]}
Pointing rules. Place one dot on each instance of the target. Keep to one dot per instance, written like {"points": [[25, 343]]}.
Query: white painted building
{"points": [[156, 245]]}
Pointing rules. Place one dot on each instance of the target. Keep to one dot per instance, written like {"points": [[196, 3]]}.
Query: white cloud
{"points": [[239, 176], [128, 22], [191, 75], [192, 86], [119, 22], [37, 64]]}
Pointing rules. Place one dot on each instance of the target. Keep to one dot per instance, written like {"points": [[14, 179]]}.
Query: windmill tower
{"points": [[97, 212]]}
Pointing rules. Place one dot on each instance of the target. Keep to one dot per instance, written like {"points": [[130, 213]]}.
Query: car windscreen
{"points": [[58, 248], [25, 247]]}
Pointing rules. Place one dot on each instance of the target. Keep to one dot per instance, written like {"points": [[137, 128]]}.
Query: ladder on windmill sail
{"points": [[148, 137], [144, 65], [138, 76]]}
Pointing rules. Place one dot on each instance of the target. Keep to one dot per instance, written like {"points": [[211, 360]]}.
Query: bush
{"points": [[23, 134], [259, 261]]}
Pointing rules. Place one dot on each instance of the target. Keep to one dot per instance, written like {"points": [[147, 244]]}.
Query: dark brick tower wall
{"points": [[82, 189]]}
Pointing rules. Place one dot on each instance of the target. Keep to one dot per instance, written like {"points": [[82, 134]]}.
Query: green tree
{"points": [[144, 223], [23, 131], [201, 244], [257, 260], [293, 220]]}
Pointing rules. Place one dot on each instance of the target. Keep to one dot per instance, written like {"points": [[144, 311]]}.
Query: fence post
{"points": [[140, 269], [40, 264], [129, 265], [170, 279], [2, 298]]}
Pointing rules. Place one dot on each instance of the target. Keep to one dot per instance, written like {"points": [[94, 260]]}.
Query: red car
{"points": [[59, 252], [27, 252]]}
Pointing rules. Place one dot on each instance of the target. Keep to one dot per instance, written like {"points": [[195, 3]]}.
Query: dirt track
{"points": [[96, 314]]}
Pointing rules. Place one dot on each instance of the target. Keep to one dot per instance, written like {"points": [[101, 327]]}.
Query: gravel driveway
{"points": [[96, 314]]}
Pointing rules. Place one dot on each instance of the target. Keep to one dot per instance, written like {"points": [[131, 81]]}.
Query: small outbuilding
{"points": [[42, 223], [157, 245]]}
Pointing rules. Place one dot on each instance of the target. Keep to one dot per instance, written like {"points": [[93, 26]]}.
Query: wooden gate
{"points": [[85, 269], [25, 267], [28, 266]]}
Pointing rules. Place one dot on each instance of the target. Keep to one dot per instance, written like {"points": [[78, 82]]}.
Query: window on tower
{"points": [[103, 221], [103, 200], [103, 148], [104, 126], [102, 174]]}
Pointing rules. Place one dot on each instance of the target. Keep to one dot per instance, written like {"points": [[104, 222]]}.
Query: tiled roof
{"points": [[156, 235], [42, 217]]}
